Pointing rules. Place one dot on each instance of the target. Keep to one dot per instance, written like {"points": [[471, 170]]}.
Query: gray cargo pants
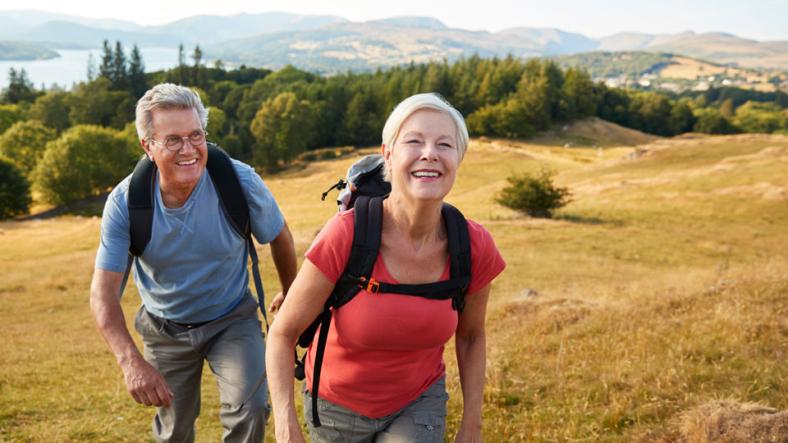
{"points": [[234, 348], [423, 421]]}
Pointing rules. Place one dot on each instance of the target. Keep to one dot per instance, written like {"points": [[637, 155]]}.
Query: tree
{"points": [[216, 122], [363, 121], [91, 72], [282, 128], [198, 77], [120, 73], [760, 117], [24, 144], [536, 196], [95, 103], [107, 59], [710, 121], [52, 109], [681, 118], [182, 68], [20, 88], [138, 84], [10, 114], [579, 100], [14, 190], [84, 161]]}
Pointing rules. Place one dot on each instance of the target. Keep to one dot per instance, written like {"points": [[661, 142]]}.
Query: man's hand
{"points": [[276, 302], [146, 384]]}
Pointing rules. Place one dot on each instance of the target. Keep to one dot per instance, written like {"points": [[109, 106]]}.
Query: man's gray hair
{"points": [[166, 96]]}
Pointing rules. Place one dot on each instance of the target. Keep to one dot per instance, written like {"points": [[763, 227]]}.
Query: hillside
{"points": [[659, 288], [676, 73], [12, 50]]}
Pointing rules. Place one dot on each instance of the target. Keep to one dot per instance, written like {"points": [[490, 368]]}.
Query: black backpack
{"points": [[231, 197], [368, 218]]}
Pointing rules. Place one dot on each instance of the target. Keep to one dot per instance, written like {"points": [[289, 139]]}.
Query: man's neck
{"points": [[175, 195]]}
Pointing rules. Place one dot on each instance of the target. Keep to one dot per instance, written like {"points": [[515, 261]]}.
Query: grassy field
{"points": [[662, 286]]}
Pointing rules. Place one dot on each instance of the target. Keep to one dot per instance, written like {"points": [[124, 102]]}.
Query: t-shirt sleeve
{"points": [[486, 260], [264, 214], [115, 238], [331, 248]]}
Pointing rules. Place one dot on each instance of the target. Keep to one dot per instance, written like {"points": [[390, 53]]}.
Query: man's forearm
{"points": [[283, 253], [106, 309]]}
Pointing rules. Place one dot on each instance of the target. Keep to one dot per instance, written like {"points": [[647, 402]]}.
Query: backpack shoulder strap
{"points": [[459, 250], [140, 204], [228, 187], [367, 226]]}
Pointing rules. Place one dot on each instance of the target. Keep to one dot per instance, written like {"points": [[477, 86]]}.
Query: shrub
{"points": [[14, 190], [536, 196], [84, 161], [24, 142]]}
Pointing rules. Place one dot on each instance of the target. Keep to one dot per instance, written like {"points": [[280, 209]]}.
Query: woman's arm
{"points": [[471, 360], [304, 302]]}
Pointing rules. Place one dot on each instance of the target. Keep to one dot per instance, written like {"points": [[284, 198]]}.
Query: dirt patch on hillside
{"points": [[595, 132], [763, 190], [727, 421]]}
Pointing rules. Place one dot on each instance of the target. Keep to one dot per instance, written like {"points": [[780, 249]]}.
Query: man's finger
{"points": [[164, 395]]}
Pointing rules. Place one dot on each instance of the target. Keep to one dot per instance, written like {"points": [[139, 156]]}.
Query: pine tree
{"points": [[120, 74], [138, 82], [197, 57], [20, 88], [91, 67], [105, 69], [181, 65]]}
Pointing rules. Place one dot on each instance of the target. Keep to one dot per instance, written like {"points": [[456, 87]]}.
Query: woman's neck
{"points": [[418, 222]]}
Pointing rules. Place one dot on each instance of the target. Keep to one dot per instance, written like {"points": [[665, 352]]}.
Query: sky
{"points": [[756, 19]]}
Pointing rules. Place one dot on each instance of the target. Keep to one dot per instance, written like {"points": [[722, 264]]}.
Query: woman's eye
{"points": [[445, 145], [411, 142]]}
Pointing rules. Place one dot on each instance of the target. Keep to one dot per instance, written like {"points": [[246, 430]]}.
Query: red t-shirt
{"points": [[385, 350]]}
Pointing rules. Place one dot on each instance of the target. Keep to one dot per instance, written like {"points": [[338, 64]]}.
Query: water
{"points": [[72, 66]]}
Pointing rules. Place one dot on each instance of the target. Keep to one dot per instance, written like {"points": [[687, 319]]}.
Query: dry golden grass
{"points": [[661, 287]]}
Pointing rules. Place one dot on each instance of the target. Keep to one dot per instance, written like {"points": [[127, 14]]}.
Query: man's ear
{"points": [[384, 152], [146, 147]]}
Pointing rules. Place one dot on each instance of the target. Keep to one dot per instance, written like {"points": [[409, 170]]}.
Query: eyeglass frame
{"points": [[183, 141]]}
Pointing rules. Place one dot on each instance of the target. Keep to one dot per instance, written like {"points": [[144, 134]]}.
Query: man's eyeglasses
{"points": [[174, 143]]}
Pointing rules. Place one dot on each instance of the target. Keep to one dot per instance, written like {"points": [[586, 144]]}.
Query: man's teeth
{"points": [[187, 162], [425, 174]]}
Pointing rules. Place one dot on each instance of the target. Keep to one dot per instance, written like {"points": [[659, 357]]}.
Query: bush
{"points": [[14, 190], [24, 142], [536, 196], [84, 161]]}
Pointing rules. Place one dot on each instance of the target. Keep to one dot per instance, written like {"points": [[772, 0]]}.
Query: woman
{"points": [[383, 371]]}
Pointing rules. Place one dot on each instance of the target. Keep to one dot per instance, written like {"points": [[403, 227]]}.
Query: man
{"points": [[192, 278]]}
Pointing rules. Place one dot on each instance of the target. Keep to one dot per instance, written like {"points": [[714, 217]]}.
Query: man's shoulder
{"points": [[119, 194]]}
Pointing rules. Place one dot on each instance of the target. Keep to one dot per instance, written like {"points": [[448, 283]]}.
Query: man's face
{"points": [[178, 168]]}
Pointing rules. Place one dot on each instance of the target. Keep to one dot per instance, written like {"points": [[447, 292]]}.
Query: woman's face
{"points": [[424, 159]]}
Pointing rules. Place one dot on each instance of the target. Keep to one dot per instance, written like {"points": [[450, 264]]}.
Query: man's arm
{"points": [[283, 253], [143, 381]]}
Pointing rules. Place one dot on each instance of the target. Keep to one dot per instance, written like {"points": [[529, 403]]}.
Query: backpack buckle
{"points": [[370, 285]]}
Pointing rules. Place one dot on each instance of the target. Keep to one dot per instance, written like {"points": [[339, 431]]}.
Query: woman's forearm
{"points": [[279, 363], [471, 360]]}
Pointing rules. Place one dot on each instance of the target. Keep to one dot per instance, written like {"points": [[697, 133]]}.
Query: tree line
{"points": [[267, 118]]}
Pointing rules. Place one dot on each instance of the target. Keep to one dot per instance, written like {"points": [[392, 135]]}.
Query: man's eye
{"points": [[412, 141], [171, 140], [445, 145]]}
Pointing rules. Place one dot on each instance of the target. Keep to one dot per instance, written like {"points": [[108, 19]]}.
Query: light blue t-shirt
{"points": [[194, 267]]}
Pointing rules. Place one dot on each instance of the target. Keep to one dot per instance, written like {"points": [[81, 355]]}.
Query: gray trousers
{"points": [[424, 420], [234, 348]]}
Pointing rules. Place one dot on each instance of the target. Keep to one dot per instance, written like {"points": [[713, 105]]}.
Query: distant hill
{"points": [[720, 48], [331, 44], [11, 50], [394, 41]]}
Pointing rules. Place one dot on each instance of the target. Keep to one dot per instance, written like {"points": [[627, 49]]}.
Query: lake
{"points": [[72, 66]]}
